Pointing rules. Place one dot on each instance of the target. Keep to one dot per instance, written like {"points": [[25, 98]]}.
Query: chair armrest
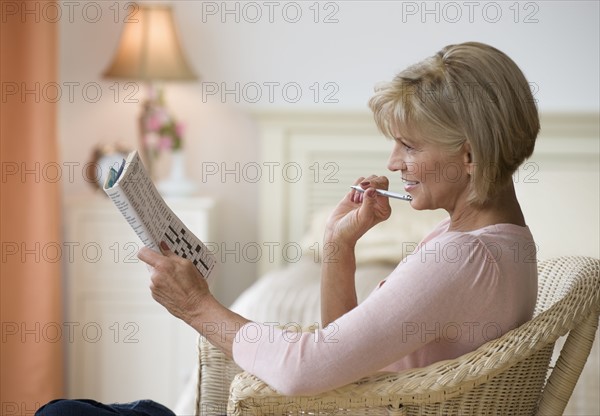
{"points": [[216, 373]]}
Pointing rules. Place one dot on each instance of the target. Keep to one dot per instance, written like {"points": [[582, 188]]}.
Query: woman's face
{"points": [[433, 177]]}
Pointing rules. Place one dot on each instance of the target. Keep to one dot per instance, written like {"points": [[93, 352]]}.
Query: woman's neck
{"points": [[503, 209]]}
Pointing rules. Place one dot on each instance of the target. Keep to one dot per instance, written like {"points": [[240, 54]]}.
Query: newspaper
{"points": [[136, 197]]}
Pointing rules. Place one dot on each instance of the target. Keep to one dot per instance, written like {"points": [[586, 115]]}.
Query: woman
{"points": [[462, 121]]}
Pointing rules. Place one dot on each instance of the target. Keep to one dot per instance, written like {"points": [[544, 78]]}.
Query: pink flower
{"points": [[153, 122], [163, 133], [164, 143], [162, 116], [179, 129]]}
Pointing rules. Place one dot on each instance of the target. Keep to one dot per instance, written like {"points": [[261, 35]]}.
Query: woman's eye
{"points": [[406, 146]]}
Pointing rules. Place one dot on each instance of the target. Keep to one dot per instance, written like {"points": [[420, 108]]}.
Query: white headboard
{"points": [[314, 158]]}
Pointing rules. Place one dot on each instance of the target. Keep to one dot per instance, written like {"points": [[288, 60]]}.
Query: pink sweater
{"points": [[455, 292]]}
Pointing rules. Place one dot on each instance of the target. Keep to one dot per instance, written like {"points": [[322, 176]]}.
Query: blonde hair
{"points": [[470, 92]]}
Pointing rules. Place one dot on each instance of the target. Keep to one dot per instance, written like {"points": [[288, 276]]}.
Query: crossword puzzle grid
{"points": [[181, 246]]}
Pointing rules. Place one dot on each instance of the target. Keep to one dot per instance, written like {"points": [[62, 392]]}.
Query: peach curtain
{"points": [[32, 330]]}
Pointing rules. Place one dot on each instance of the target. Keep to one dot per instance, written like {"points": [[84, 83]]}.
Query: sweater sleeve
{"points": [[438, 287]]}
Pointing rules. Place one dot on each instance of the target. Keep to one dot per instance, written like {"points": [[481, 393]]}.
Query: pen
{"points": [[386, 193]]}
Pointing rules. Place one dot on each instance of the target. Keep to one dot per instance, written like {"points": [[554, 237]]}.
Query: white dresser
{"points": [[121, 345]]}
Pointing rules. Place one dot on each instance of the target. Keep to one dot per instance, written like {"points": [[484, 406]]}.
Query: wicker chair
{"points": [[506, 376]]}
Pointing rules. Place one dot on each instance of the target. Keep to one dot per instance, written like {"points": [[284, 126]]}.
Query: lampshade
{"points": [[149, 48]]}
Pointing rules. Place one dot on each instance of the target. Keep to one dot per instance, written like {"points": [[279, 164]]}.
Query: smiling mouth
{"points": [[407, 182]]}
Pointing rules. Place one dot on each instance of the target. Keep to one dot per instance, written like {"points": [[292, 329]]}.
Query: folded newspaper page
{"points": [[135, 195]]}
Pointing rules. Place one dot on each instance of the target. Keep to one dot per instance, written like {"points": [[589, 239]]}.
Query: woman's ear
{"points": [[468, 158]]}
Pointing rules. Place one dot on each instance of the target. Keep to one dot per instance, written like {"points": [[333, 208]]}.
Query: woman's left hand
{"points": [[175, 282]]}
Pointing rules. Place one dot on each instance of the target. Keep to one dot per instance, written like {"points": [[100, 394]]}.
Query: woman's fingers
{"points": [[371, 181], [150, 257]]}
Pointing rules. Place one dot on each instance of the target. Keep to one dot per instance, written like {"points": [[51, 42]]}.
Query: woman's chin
{"points": [[419, 204]]}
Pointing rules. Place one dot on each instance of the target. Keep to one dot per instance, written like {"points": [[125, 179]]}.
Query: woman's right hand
{"points": [[358, 212]]}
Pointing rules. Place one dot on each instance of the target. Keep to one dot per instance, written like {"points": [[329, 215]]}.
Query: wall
{"points": [[339, 53]]}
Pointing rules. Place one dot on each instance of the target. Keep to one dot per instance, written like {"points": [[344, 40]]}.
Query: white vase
{"points": [[177, 184]]}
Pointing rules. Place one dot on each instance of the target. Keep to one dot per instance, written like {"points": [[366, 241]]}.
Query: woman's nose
{"points": [[396, 161]]}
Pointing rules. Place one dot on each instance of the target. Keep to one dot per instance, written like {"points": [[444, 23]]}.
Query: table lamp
{"points": [[149, 51]]}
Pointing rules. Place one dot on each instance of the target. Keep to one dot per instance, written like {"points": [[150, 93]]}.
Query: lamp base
{"points": [[177, 184], [177, 188]]}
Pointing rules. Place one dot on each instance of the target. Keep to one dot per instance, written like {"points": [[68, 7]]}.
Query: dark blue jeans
{"points": [[94, 408]]}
